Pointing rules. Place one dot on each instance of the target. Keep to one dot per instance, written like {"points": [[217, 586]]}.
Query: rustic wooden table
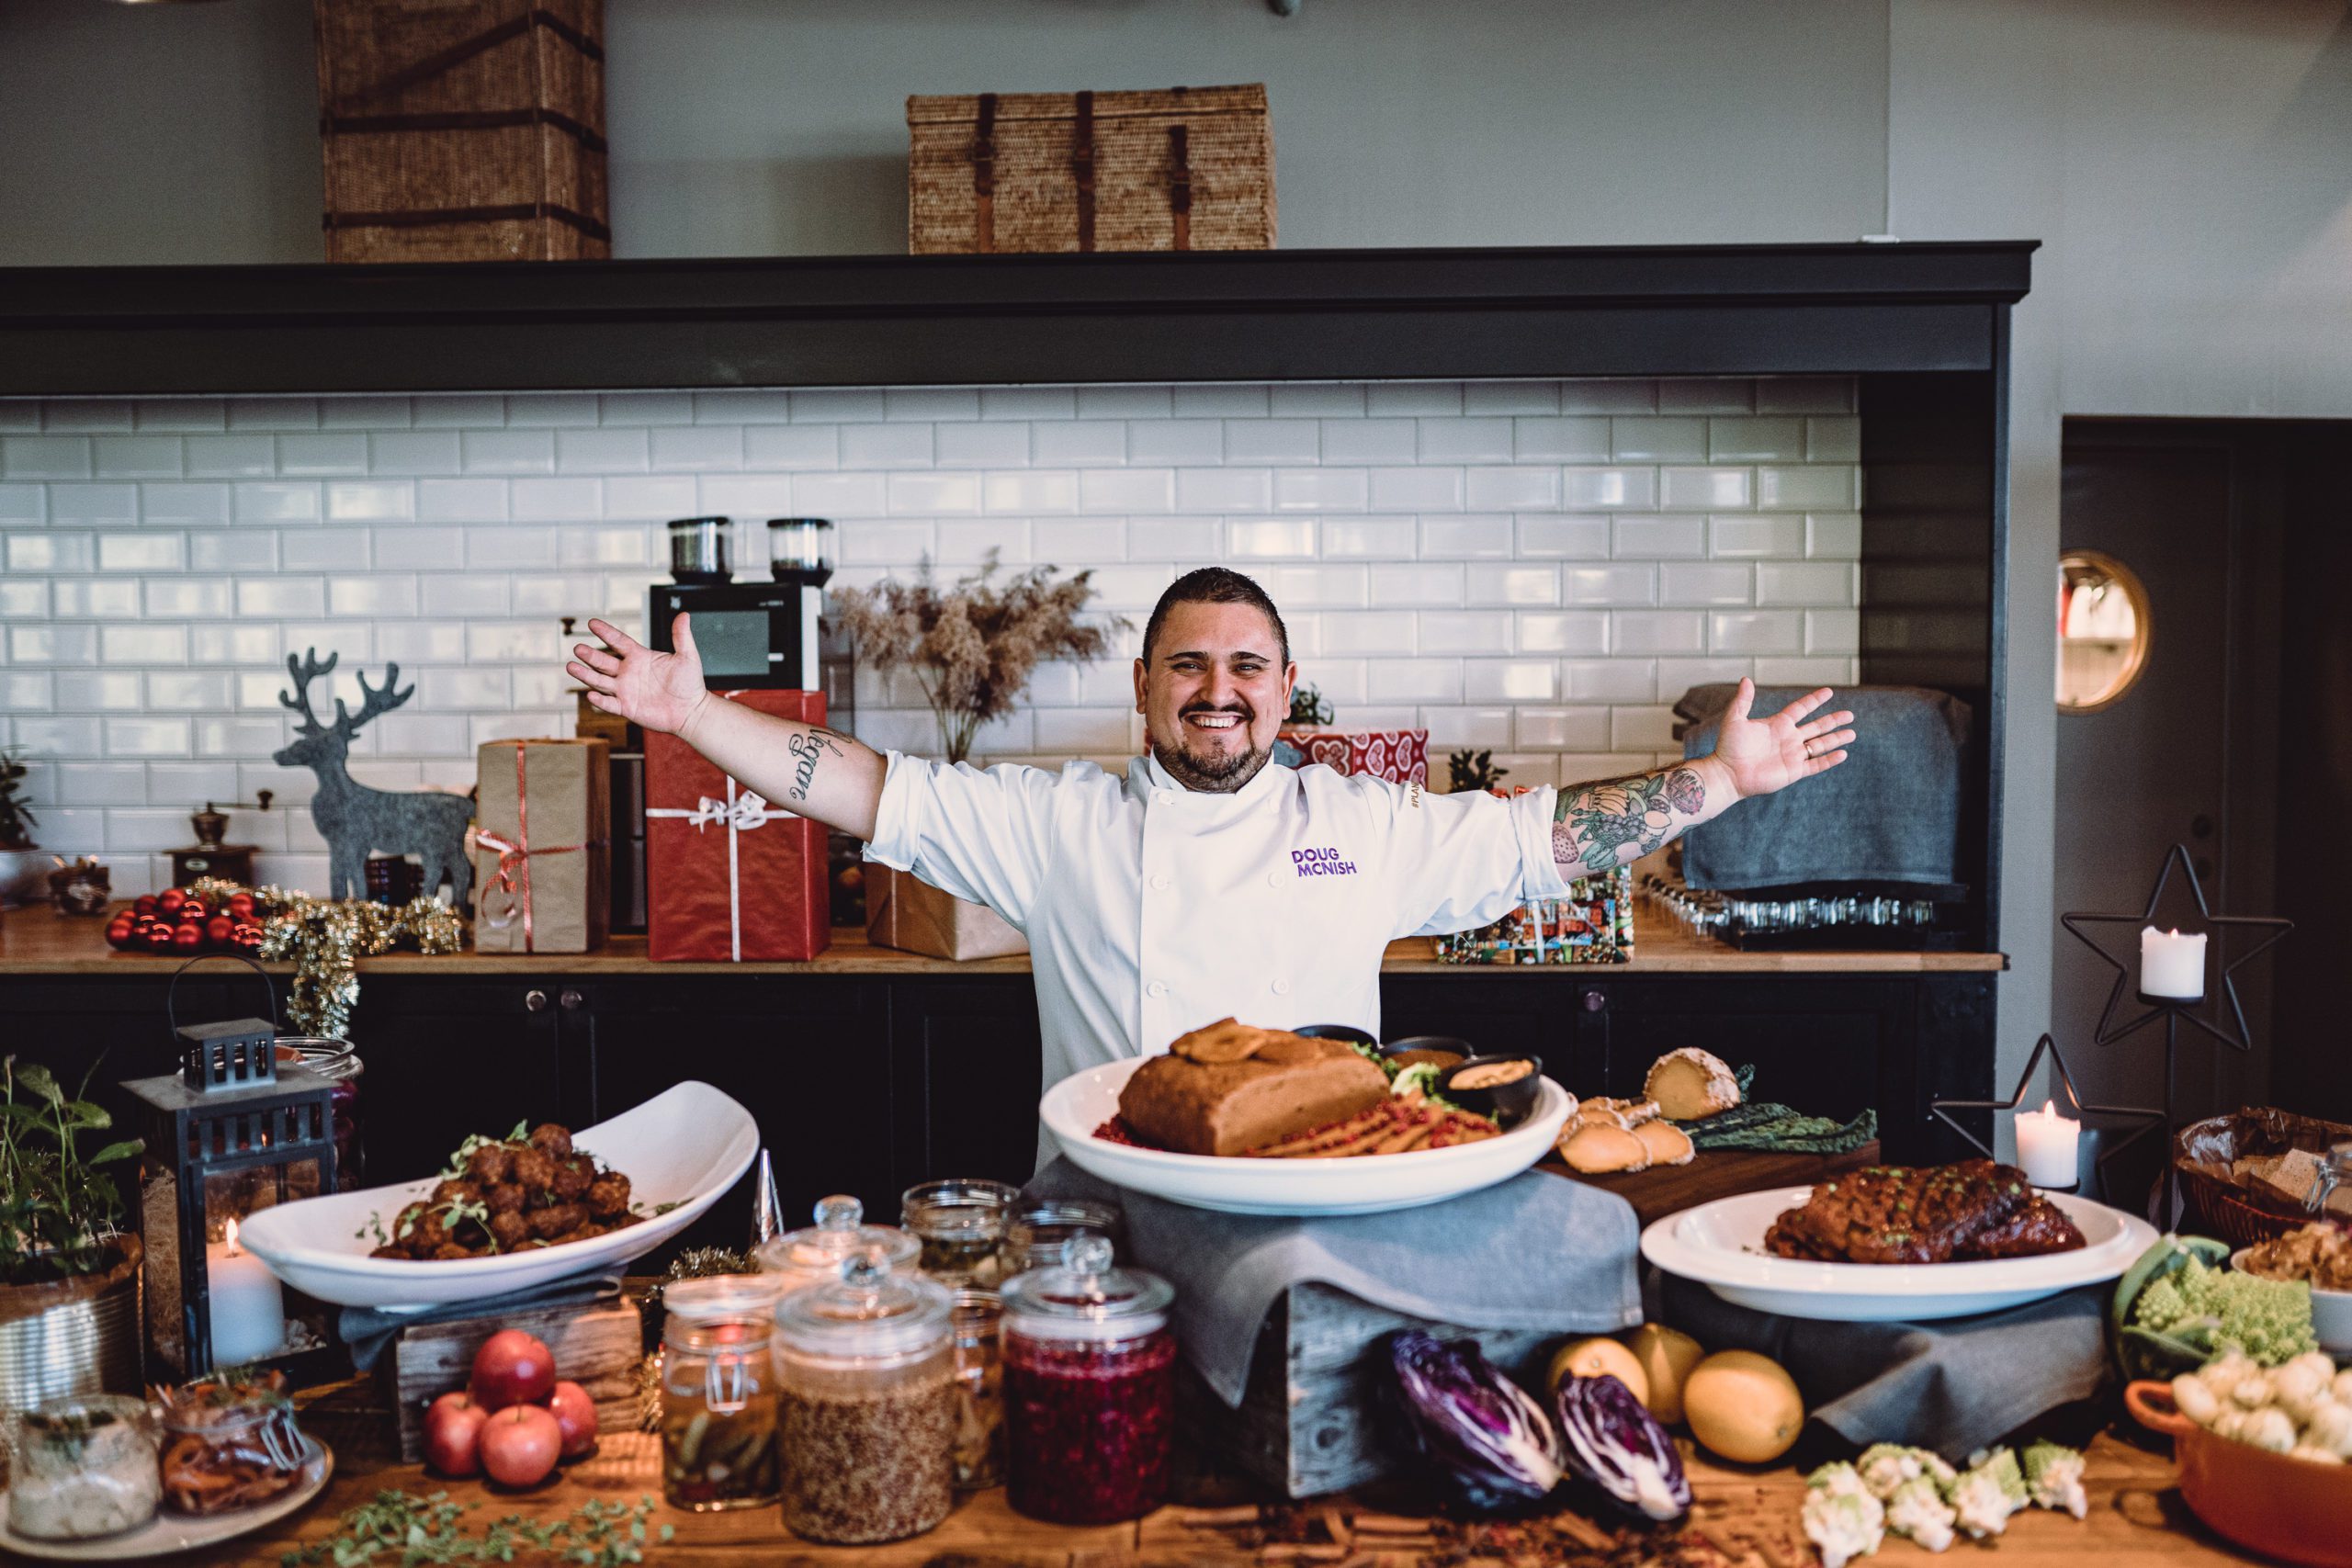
{"points": [[1744, 1517]]}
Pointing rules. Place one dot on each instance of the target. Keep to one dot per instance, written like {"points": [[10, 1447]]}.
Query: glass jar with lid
{"points": [[82, 1466], [960, 1222], [719, 1417], [814, 1254], [1039, 1228], [867, 1403], [980, 1390], [1089, 1389]]}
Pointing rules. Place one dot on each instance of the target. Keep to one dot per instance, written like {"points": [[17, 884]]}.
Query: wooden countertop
{"points": [[36, 941]]}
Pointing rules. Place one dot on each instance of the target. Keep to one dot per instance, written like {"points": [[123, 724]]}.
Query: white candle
{"points": [[2172, 964], [248, 1308], [2046, 1146]]}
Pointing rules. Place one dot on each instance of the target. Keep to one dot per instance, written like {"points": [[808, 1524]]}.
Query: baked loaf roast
{"points": [[1228, 1089]]}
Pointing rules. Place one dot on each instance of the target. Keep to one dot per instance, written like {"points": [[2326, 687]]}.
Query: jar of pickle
{"points": [[718, 1399], [867, 1399], [980, 1390], [814, 1254], [960, 1224], [1089, 1389], [1037, 1230]]}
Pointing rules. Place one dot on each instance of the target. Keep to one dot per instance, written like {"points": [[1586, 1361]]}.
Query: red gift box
{"points": [[729, 876], [1400, 756]]}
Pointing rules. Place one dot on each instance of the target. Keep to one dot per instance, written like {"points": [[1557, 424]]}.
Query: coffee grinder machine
{"points": [[754, 635]]}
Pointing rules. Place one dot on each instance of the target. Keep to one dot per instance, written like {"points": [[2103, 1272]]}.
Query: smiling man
{"points": [[1203, 882]]}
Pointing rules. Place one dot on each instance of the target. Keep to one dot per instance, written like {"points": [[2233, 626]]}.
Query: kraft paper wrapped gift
{"points": [[905, 912], [728, 875], [1400, 756], [542, 862]]}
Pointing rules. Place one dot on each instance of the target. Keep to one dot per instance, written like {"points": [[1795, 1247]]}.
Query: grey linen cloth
{"points": [[1536, 1252], [365, 1331], [1889, 813], [1952, 1385]]}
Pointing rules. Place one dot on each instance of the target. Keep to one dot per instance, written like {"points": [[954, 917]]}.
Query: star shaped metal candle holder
{"points": [[2238, 1038], [2149, 1116]]}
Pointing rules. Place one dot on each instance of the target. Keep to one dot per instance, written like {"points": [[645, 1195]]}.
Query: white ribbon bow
{"points": [[738, 813]]}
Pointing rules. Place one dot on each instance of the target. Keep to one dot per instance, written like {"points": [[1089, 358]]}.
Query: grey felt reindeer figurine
{"points": [[356, 820]]}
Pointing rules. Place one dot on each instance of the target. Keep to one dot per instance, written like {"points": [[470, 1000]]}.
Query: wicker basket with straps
{"points": [[1183, 168], [2203, 1153], [463, 129]]}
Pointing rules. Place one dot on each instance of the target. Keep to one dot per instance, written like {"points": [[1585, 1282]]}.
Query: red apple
{"points": [[512, 1367], [520, 1445], [453, 1426], [576, 1414]]}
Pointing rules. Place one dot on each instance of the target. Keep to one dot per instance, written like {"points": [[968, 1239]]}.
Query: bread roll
{"points": [[1667, 1143], [1597, 1148], [1690, 1085]]}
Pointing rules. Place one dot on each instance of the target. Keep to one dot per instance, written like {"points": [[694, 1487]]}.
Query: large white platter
{"points": [[688, 1146], [168, 1532], [1721, 1245], [1367, 1184]]}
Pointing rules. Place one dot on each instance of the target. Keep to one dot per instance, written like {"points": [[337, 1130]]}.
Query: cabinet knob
{"points": [[569, 1001], [537, 1001], [1595, 1001]]}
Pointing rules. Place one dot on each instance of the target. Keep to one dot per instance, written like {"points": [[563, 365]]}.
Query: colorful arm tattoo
{"points": [[1599, 827]]}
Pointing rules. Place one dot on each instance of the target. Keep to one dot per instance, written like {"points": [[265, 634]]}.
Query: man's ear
{"points": [[1290, 680], [1139, 686]]}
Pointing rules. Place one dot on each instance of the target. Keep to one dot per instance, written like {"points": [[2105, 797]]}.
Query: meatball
{"points": [[534, 1171], [555, 1219], [427, 1235], [509, 1229], [506, 1197], [490, 1164], [551, 1140], [573, 1175], [588, 1232], [456, 1192], [608, 1195], [388, 1250], [449, 1250]]}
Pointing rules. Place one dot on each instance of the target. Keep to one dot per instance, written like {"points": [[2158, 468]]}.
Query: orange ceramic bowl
{"points": [[2293, 1509]]}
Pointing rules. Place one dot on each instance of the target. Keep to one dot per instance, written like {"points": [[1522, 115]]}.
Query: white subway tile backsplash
{"points": [[321, 456], [281, 597], [1417, 490], [147, 738], [706, 448], [555, 501], [544, 408], [502, 451], [1367, 633], [1237, 401], [1513, 489], [1726, 394], [1510, 397], [645, 497], [57, 734], [1315, 587], [232, 644], [24, 504], [1079, 443], [887, 544], [815, 495], [99, 691], [969, 542], [292, 414], [1836, 439], [1321, 490], [1224, 490], [1269, 538], [774, 408], [1580, 438], [94, 503], [1413, 680], [980, 445], [366, 414], [1491, 584], [1595, 488], [1614, 396], [1431, 584], [1662, 536], [1455, 727], [413, 452], [509, 548], [1509, 680], [1412, 399], [52, 552], [89, 414], [644, 408], [1833, 631], [1366, 538], [1192, 540], [226, 456], [1465, 538], [933, 495], [1675, 676], [187, 689], [413, 642], [1464, 632], [1316, 399], [108, 784], [1571, 535], [882, 446], [197, 506], [1835, 534], [140, 457], [375, 596], [1662, 633], [1118, 490], [1063, 541], [1753, 632], [271, 501], [26, 691], [141, 552], [1832, 673], [256, 737], [1756, 537], [1821, 489], [1704, 489], [1607, 680], [1705, 583], [24, 598], [45, 457], [611, 450], [1043, 492], [1561, 729], [1273, 441], [94, 598], [189, 597], [1369, 441], [370, 501], [1126, 402], [1657, 439], [1804, 583], [1624, 582], [1739, 439]]}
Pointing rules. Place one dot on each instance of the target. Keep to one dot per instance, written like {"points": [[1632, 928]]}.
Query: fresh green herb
{"points": [[58, 1210], [456, 1166], [410, 1529], [375, 1227], [457, 1211]]}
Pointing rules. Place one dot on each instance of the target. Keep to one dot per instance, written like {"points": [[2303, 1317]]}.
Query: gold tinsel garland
{"points": [[326, 937]]}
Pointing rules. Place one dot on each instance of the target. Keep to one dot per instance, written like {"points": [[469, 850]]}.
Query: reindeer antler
{"points": [[305, 670], [373, 701]]}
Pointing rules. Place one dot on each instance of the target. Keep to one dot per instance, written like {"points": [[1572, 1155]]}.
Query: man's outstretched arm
{"points": [[1599, 827], [804, 768]]}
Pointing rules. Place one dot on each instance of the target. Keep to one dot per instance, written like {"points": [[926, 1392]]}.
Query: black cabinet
{"points": [[449, 1056], [966, 1055]]}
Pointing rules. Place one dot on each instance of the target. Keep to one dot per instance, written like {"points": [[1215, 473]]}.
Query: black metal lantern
{"points": [[230, 1133]]}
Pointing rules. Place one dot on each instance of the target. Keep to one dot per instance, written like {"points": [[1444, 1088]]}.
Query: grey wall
{"points": [[2188, 165]]}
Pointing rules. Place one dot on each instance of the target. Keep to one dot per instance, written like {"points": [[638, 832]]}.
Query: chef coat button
{"points": [[1281, 987], [1157, 988], [1273, 879], [1165, 798], [1159, 882]]}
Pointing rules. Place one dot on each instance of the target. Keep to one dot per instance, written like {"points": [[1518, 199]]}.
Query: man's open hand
{"points": [[658, 691], [1768, 754]]}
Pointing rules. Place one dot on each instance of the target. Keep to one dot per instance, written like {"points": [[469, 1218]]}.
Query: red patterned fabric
{"points": [[729, 875], [1400, 756]]}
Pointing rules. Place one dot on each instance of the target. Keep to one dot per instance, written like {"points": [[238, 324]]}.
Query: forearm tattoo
{"points": [[1595, 825], [809, 749]]}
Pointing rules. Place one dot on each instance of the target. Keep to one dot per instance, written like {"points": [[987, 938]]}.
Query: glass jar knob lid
{"points": [[1087, 1289]]}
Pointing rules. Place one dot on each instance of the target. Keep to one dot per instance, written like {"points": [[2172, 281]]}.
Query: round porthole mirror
{"points": [[2103, 630]]}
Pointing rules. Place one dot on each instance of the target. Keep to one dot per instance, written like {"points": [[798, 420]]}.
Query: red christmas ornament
{"points": [[169, 900], [158, 937], [241, 905], [187, 939], [144, 904], [218, 930], [120, 931]]}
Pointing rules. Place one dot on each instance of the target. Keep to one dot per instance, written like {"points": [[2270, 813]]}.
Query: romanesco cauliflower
{"points": [[2213, 1309], [1988, 1492], [2053, 1475], [1918, 1510], [1840, 1516]]}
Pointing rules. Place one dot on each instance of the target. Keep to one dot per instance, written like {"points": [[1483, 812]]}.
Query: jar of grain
{"points": [[867, 1403]]}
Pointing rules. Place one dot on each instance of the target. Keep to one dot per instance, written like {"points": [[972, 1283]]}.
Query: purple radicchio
{"points": [[1612, 1441], [1489, 1438]]}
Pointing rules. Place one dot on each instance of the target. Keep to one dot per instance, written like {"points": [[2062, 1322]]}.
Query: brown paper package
{"points": [[907, 913], [570, 786]]}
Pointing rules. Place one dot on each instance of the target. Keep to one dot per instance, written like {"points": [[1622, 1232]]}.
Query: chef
{"points": [[1203, 882]]}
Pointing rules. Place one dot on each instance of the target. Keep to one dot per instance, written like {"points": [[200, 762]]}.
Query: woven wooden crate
{"points": [[463, 129], [1186, 168]]}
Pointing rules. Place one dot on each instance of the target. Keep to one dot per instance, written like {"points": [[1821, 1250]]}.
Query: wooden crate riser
{"points": [[597, 1347]]}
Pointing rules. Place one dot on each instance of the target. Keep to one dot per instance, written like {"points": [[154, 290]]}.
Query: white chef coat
{"points": [[1152, 909]]}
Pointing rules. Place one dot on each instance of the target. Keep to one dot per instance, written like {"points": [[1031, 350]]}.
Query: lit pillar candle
{"points": [[248, 1308], [2172, 964], [2046, 1146]]}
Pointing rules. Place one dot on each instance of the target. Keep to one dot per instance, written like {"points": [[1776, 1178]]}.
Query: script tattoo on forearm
{"points": [[1593, 825], [809, 749]]}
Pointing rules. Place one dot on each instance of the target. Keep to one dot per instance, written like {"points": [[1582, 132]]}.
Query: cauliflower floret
{"points": [[2232, 1423], [2317, 1456], [1988, 1492], [2195, 1398], [2224, 1372], [2253, 1391], [2344, 1386], [1918, 1510], [2330, 1427], [2053, 1475], [2298, 1387], [1886, 1466], [1840, 1516], [2270, 1429]]}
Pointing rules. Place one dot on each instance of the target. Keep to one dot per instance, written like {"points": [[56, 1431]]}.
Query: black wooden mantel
{"points": [[965, 321]]}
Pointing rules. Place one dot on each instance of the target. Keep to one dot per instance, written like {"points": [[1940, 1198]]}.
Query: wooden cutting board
{"points": [[1720, 1173]]}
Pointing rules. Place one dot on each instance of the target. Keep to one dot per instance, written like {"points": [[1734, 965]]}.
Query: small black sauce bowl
{"points": [[1443, 1051], [1344, 1031], [1505, 1103]]}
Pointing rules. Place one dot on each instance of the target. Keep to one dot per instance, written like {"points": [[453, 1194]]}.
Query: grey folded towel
{"points": [[1536, 1252], [1952, 1385], [367, 1330], [1889, 813]]}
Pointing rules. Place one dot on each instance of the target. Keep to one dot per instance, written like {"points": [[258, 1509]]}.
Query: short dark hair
{"points": [[1213, 585]]}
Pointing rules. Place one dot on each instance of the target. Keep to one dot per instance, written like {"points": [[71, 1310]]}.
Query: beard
{"points": [[1214, 773]]}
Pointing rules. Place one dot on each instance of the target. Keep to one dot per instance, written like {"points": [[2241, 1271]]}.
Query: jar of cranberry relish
{"points": [[1089, 1389]]}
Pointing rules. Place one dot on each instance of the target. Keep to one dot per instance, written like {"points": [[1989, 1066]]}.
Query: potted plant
{"points": [[21, 866], [68, 1276], [973, 646]]}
